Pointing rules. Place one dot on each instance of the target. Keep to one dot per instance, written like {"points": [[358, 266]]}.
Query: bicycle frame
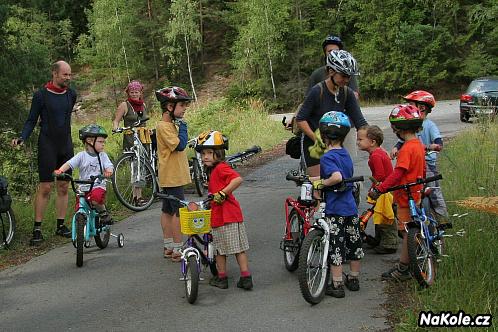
{"points": [[191, 248], [90, 214], [305, 212], [422, 221]]}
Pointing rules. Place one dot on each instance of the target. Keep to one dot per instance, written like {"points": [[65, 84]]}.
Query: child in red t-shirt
{"points": [[370, 139], [228, 230], [406, 121]]}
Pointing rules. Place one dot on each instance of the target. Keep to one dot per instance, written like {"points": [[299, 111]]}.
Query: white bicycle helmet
{"points": [[342, 62]]}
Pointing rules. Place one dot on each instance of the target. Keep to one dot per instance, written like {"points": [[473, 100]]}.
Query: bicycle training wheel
{"points": [[80, 238], [422, 262], [197, 177], [134, 182], [7, 228], [312, 275], [191, 279], [102, 236], [292, 246]]}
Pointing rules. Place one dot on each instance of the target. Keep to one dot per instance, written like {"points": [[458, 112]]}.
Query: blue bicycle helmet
{"points": [[334, 125]]}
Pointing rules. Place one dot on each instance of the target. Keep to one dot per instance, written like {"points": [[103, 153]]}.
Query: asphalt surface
{"points": [[135, 288]]}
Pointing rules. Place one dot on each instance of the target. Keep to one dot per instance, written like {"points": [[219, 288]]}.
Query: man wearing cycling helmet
{"points": [[432, 139], [174, 173], [330, 95], [406, 121], [330, 43]]}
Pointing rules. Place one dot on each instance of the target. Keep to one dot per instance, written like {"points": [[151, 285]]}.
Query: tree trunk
{"points": [[156, 69], [123, 46], [189, 67]]}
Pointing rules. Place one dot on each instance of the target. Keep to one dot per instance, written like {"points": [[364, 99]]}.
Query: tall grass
{"points": [[467, 279]]}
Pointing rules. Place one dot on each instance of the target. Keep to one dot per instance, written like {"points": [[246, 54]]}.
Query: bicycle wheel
{"points": [[80, 238], [132, 177], [292, 246], [191, 279], [422, 262], [7, 228], [102, 237], [197, 177], [312, 275]]}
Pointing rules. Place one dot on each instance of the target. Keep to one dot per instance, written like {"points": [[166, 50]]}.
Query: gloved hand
{"points": [[318, 184], [220, 197], [182, 135], [374, 193], [318, 149]]}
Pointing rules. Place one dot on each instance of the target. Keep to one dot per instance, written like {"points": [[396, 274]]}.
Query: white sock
{"points": [[168, 243]]}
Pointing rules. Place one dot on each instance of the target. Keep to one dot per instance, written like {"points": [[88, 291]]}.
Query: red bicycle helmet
{"points": [[172, 94], [406, 117], [421, 97]]}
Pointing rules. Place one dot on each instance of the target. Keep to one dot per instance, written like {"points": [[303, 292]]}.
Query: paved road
{"points": [[134, 288]]}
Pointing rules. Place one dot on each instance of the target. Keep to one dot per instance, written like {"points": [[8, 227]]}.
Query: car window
{"points": [[483, 86]]}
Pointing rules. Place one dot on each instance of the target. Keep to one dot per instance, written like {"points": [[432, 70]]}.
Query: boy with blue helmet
{"points": [[341, 210]]}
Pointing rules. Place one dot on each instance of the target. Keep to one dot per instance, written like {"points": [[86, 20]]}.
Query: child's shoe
{"points": [[219, 282], [245, 283], [61, 231], [337, 292], [352, 283], [397, 273], [105, 218]]}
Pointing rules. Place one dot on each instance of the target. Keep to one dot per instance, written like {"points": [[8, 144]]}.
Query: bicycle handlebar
{"points": [[91, 181], [243, 155], [184, 203], [136, 124], [417, 182], [300, 178]]}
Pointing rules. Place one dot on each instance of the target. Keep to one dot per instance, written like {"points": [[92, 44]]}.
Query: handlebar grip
{"points": [[433, 178], [354, 179], [292, 177]]}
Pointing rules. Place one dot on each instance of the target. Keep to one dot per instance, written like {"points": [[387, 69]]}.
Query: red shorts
{"points": [[97, 195]]}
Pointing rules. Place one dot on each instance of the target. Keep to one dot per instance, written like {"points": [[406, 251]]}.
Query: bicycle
{"points": [[198, 250], [85, 222], [314, 266], [7, 217], [135, 174], [425, 238], [197, 169]]}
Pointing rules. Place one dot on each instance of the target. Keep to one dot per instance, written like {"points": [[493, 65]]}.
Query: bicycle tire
{"points": [[80, 238], [123, 180], [191, 279], [291, 256], [422, 263], [310, 262], [102, 236], [8, 228], [197, 177]]}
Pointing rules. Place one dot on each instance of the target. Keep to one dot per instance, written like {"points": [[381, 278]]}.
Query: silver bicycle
{"points": [[135, 172]]}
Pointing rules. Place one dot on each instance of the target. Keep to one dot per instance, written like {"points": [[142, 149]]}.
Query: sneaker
{"points": [[352, 283], [37, 238], [245, 283], [105, 219], [397, 274], [337, 292], [63, 231], [384, 251], [219, 282]]}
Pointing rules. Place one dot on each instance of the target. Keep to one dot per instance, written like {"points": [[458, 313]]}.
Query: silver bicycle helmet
{"points": [[342, 62]]}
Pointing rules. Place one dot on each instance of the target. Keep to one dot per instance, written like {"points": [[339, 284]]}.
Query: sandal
{"points": [[168, 253], [176, 257]]}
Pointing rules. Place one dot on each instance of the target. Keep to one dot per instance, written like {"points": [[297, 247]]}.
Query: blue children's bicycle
{"points": [[425, 237], [86, 223], [198, 250]]}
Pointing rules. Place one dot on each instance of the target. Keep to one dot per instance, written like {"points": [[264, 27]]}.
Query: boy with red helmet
{"points": [[173, 170], [406, 121], [431, 137]]}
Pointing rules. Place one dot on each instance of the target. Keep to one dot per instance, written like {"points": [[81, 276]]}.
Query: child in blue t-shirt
{"points": [[340, 210]]}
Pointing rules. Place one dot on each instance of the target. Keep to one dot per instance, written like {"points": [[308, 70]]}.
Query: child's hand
{"points": [[374, 193], [318, 184], [58, 172], [107, 173], [220, 197], [394, 153]]}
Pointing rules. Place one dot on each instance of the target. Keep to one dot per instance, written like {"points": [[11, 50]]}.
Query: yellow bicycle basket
{"points": [[144, 135], [195, 222]]}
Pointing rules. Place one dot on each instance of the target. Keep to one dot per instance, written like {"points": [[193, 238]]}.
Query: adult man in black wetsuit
{"points": [[53, 105]]}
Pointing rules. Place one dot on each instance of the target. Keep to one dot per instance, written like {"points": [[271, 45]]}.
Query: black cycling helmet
{"points": [[92, 130], [172, 94], [332, 40]]}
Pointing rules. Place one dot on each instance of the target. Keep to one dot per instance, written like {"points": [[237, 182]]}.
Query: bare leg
{"points": [[243, 261], [404, 250], [41, 199], [221, 263], [61, 199], [336, 272], [171, 227], [314, 170], [354, 266]]}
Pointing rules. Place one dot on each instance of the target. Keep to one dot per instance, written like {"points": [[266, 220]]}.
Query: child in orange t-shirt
{"points": [[406, 121]]}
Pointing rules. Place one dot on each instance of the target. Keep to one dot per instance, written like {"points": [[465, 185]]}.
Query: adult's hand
{"points": [[16, 142]]}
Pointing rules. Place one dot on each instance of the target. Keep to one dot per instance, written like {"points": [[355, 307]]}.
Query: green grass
{"points": [[467, 279]]}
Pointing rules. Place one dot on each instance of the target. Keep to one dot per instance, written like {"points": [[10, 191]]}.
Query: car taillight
{"points": [[466, 98]]}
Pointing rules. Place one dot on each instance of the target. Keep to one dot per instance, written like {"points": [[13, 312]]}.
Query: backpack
{"points": [[5, 199]]}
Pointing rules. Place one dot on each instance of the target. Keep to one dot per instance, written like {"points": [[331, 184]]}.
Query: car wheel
{"points": [[464, 117]]}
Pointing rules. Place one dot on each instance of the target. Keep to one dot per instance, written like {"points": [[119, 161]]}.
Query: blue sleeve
{"points": [[434, 132], [310, 103], [182, 136], [399, 144], [34, 114], [438, 141], [328, 166]]}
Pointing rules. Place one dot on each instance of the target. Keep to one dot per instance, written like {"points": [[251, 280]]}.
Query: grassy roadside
{"points": [[245, 123], [466, 280]]}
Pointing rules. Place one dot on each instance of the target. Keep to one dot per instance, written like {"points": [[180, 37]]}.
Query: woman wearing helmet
{"points": [[131, 110], [340, 210], [330, 43], [172, 137], [92, 162], [406, 121], [228, 229], [330, 95]]}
